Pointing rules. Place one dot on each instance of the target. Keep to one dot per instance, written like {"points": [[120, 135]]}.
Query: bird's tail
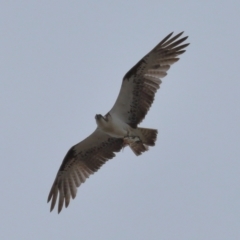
{"points": [[144, 137]]}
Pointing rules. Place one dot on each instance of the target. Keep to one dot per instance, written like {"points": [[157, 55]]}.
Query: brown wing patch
{"points": [[78, 164]]}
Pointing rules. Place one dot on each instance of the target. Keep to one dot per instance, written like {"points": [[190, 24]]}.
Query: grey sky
{"points": [[62, 62]]}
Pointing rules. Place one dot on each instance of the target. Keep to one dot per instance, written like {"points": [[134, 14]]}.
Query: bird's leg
{"points": [[131, 138], [125, 140], [127, 136], [136, 139]]}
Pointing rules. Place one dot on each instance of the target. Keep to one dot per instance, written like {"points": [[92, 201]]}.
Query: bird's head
{"points": [[98, 117], [101, 120]]}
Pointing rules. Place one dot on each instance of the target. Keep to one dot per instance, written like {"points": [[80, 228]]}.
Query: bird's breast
{"points": [[114, 127]]}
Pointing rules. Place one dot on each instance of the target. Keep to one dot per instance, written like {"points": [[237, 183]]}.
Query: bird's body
{"points": [[119, 127], [113, 126]]}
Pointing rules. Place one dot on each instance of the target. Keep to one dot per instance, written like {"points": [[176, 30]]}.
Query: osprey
{"points": [[119, 127]]}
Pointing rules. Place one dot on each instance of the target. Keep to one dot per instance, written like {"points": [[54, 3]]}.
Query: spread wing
{"points": [[80, 162], [142, 81]]}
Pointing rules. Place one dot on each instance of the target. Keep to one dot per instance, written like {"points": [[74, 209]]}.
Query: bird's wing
{"points": [[140, 83], [80, 162]]}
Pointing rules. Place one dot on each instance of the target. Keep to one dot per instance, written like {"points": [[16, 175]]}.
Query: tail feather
{"points": [[147, 135], [144, 137]]}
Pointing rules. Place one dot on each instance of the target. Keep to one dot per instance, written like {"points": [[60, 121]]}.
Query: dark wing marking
{"points": [[80, 162], [142, 81]]}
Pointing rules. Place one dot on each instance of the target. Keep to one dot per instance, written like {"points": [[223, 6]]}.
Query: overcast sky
{"points": [[62, 62]]}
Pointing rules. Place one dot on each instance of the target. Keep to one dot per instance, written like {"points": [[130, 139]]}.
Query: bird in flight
{"points": [[119, 127]]}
